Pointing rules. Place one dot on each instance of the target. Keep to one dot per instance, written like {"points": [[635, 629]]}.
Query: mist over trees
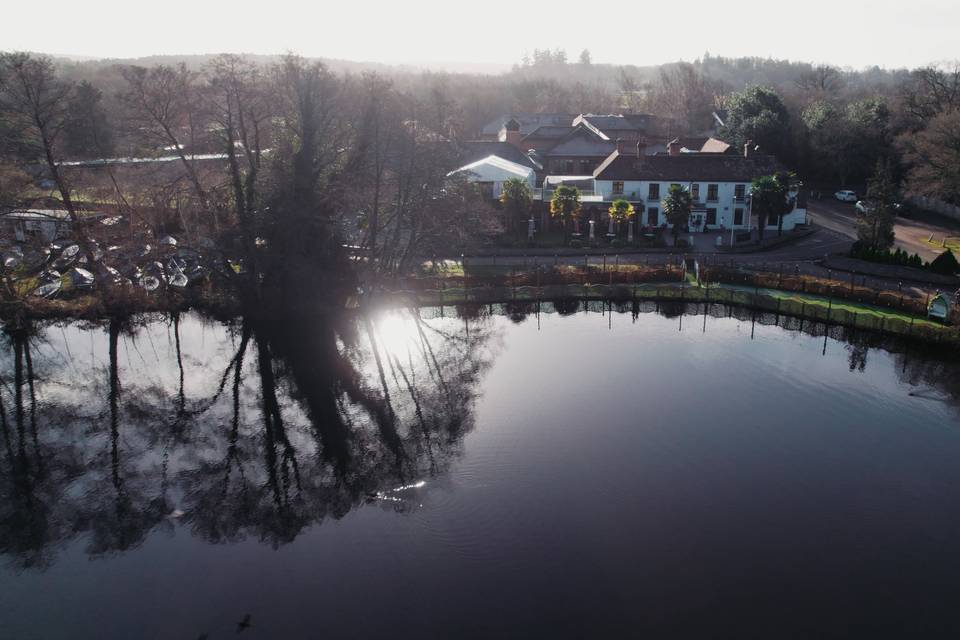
{"points": [[315, 155]]}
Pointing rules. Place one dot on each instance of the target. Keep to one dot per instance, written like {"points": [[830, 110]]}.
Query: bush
{"points": [[885, 256], [946, 264], [576, 243]]}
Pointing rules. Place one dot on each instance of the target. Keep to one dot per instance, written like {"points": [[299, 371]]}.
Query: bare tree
{"points": [[822, 78], [239, 104], [164, 109], [33, 99], [682, 92], [932, 91]]}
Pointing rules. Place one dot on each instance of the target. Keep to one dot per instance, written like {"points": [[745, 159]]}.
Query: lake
{"points": [[578, 470]]}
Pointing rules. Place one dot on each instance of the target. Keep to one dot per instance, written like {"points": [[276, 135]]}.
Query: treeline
{"points": [[312, 157], [831, 125], [277, 166]]}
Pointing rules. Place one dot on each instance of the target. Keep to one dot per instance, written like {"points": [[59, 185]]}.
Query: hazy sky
{"points": [[845, 32]]}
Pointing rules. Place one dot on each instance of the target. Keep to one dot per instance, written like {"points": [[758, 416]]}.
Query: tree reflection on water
{"points": [[250, 430], [114, 431]]}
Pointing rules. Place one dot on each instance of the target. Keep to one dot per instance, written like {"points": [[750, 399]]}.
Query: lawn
{"points": [[949, 242]]}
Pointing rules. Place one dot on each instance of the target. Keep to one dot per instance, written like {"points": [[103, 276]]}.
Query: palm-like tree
{"points": [[516, 199], [620, 210], [677, 207], [768, 197], [565, 203]]}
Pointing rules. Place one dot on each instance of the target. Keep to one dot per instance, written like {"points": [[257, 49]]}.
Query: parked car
{"points": [[846, 195], [864, 206]]}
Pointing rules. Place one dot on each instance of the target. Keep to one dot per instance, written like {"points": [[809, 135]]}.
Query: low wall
{"points": [[937, 206]]}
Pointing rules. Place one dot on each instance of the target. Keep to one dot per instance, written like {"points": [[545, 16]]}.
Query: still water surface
{"points": [[562, 475]]}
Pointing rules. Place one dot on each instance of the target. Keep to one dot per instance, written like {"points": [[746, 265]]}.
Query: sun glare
{"points": [[396, 334]]}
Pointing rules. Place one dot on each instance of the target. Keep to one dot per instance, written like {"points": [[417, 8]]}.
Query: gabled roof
{"points": [[582, 141], [700, 144], [690, 144], [625, 125], [496, 169], [715, 145], [527, 121], [610, 122], [550, 132], [474, 150], [687, 167]]}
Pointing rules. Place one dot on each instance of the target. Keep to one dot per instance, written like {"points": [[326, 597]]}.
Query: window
{"points": [[654, 192], [618, 188], [711, 216], [653, 216], [586, 166], [712, 192], [568, 167], [486, 190], [738, 216], [695, 191], [739, 192]]}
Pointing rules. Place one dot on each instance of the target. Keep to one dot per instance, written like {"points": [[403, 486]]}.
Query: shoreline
{"points": [[831, 311]]}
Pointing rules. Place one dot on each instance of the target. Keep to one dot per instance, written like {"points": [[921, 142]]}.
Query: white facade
{"points": [[726, 210]]}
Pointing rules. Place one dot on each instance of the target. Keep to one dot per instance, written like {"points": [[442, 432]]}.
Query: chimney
{"points": [[625, 147], [511, 133], [747, 148], [641, 148], [673, 147]]}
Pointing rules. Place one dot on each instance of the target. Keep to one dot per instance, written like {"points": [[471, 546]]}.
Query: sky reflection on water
{"points": [[476, 474]]}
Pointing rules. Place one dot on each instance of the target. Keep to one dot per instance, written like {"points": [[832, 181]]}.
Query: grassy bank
{"points": [[806, 306]]}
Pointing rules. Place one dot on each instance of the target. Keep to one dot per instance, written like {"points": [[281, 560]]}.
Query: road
{"points": [[837, 222], [911, 232]]}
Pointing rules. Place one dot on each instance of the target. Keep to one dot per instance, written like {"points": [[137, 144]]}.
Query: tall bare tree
{"points": [[34, 101]]}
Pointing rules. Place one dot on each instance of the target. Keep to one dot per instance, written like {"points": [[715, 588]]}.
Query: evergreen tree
{"points": [[875, 222]]}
